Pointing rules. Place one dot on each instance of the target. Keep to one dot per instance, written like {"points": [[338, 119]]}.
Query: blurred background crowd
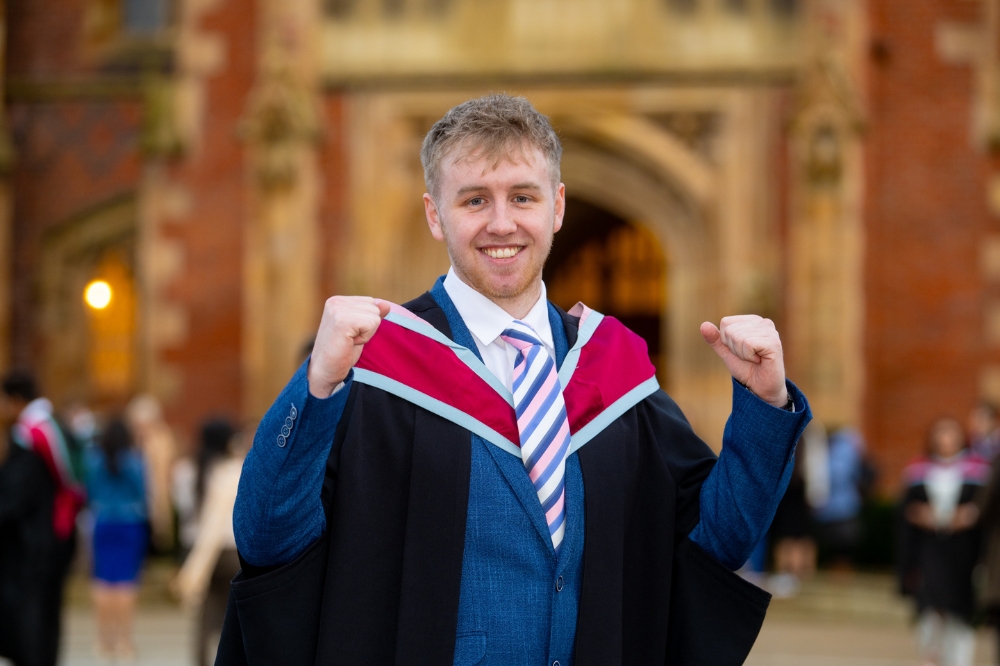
{"points": [[100, 495], [183, 183]]}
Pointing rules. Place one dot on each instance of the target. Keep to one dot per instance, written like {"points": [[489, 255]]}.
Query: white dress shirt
{"points": [[486, 321]]}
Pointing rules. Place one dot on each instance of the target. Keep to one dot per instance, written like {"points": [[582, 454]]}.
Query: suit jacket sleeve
{"points": [[279, 511]]}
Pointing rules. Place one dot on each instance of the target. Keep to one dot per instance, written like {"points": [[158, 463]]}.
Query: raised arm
{"points": [[278, 511], [739, 498]]}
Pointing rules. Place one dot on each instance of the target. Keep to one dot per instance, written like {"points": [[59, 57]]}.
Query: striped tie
{"points": [[542, 424]]}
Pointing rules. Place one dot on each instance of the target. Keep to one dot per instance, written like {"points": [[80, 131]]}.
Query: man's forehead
{"points": [[489, 158]]}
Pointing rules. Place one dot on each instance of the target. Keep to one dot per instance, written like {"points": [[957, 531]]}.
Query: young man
{"points": [[481, 478]]}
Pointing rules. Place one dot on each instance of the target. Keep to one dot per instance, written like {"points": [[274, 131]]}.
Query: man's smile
{"points": [[505, 252]]}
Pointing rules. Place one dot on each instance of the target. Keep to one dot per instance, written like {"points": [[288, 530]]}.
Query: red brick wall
{"points": [[79, 153], [925, 213], [333, 191], [71, 156], [210, 288], [45, 38]]}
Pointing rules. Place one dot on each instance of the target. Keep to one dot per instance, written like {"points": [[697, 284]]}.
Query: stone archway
{"points": [[617, 267], [607, 180], [87, 355]]}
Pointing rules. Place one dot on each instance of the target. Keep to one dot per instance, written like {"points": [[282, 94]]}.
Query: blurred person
{"points": [[984, 430], [794, 549], [203, 581], [184, 495], [155, 439], [939, 543], [36, 428], [115, 475], [32, 425], [989, 523], [81, 424], [838, 518], [30, 553]]}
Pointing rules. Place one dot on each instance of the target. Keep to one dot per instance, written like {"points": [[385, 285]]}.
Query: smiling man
{"points": [[478, 477]]}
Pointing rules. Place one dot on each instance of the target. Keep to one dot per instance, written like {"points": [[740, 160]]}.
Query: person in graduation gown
{"points": [[478, 477], [30, 551], [939, 544]]}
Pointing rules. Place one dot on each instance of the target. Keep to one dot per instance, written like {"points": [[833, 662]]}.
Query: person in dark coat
{"points": [[794, 550], [30, 556], [483, 478], [939, 544], [989, 525]]}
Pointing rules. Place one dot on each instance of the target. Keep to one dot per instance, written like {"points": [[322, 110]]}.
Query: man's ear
{"points": [[560, 207], [433, 219]]}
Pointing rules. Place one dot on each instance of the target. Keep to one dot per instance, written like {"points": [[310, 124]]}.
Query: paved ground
{"points": [[834, 621], [845, 620]]}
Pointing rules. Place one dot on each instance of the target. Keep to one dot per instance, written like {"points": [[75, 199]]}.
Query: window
{"points": [[144, 17]]}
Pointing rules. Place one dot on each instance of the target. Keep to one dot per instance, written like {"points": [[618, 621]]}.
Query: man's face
{"points": [[497, 220], [10, 409]]}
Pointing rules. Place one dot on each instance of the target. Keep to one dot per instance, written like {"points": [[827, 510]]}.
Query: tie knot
{"points": [[521, 336]]}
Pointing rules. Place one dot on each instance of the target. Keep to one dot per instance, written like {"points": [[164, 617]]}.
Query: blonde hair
{"points": [[491, 126]]}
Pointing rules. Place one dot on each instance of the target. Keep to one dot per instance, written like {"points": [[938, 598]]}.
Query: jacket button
{"points": [[288, 421], [293, 413], [559, 587], [281, 441], [555, 663], [285, 431]]}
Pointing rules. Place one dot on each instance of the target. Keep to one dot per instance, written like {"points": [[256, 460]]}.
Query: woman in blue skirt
{"points": [[117, 492]]}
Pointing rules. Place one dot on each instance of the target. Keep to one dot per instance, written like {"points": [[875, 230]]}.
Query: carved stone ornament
{"points": [[160, 136], [281, 117], [827, 114]]}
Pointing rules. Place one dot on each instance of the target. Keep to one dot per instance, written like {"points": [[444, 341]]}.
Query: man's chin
{"points": [[501, 290]]}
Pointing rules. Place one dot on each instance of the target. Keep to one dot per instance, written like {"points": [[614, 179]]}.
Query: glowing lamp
{"points": [[97, 294]]}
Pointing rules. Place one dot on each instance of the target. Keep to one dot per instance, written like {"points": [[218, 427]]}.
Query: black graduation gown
{"points": [[29, 559], [381, 586], [935, 568]]}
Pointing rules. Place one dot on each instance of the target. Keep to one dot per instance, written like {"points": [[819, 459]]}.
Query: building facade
{"points": [[225, 165]]}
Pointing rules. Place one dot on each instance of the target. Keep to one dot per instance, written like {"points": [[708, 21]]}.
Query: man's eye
{"points": [[476, 201], [521, 199]]}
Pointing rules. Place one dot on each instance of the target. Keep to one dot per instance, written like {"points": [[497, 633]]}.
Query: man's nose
{"points": [[502, 220]]}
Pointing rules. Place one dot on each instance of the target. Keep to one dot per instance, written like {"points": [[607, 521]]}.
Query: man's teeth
{"points": [[501, 252]]}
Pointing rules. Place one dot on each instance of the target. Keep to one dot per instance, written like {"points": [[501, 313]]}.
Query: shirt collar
{"points": [[487, 320]]}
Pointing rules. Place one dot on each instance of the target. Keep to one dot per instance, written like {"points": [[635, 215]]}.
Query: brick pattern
{"points": [[209, 361], [71, 156], [926, 213], [45, 38], [333, 204]]}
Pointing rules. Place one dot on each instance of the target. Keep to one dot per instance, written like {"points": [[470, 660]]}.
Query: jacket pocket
{"points": [[470, 648]]}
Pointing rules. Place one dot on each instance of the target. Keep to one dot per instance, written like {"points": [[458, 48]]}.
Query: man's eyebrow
{"points": [[481, 188]]}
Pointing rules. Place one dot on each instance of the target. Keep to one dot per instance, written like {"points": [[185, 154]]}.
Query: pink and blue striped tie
{"points": [[541, 423]]}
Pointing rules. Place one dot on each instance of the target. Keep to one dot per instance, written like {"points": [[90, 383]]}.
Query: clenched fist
{"points": [[750, 347], [348, 323]]}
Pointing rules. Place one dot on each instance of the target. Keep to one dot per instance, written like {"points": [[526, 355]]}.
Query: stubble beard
{"points": [[478, 278]]}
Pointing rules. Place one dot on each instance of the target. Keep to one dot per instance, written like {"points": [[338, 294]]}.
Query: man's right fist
{"points": [[348, 323]]}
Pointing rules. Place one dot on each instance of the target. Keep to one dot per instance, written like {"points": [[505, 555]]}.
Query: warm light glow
{"points": [[97, 294]]}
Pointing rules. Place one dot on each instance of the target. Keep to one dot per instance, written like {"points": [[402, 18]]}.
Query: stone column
{"points": [[825, 244], [6, 202], [282, 303]]}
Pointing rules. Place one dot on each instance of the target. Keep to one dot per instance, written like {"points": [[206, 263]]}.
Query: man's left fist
{"points": [[750, 347]]}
